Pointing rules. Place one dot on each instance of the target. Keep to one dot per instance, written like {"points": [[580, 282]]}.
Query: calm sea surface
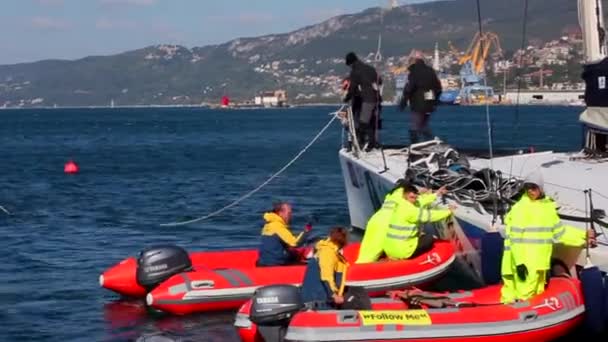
{"points": [[144, 167]]}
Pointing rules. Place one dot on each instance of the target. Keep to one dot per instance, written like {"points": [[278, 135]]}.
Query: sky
{"points": [[70, 29]]}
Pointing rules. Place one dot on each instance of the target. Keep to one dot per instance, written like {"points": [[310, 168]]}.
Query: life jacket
{"points": [[404, 228], [532, 229], [320, 282], [375, 231], [274, 250]]}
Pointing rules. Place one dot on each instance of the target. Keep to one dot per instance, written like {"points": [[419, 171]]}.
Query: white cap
{"points": [[536, 177]]}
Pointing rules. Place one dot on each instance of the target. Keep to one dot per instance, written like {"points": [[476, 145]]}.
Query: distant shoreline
{"points": [[174, 106], [274, 108]]}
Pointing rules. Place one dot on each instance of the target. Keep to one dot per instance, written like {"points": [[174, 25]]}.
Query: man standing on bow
{"points": [[364, 83], [422, 92]]}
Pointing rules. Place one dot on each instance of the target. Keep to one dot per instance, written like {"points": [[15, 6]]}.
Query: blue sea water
{"points": [[143, 167]]}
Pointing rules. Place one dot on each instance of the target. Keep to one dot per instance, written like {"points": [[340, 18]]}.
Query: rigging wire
{"points": [[276, 174], [378, 56], [493, 188], [518, 77]]}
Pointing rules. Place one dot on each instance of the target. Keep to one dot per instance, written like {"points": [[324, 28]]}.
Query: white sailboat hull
{"points": [[367, 182]]}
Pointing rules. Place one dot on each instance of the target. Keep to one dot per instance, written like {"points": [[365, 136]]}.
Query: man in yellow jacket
{"points": [[375, 232], [403, 238], [532, 227], [277, 239]]}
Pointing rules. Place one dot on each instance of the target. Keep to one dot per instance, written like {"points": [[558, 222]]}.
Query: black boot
{"points": [[362, 136], [413, 137], [427, 134], [369, 138]]}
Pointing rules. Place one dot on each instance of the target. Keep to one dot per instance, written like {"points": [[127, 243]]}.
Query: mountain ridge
{"points": [[307, 61]]}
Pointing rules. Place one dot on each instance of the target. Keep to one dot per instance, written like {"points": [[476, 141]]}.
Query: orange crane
{"points": [[399, 69], [479, 49]]}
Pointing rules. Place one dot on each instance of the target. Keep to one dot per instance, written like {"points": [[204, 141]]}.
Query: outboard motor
{"points": [[272, 308], [157, 263]]}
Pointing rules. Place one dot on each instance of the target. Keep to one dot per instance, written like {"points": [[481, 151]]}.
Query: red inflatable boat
{"points": [[473, 316], [208, 289], [225, 280]]}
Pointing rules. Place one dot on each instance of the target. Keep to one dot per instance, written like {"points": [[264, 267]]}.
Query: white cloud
{"points": [[50, 2], [48, 23], [128, 2], [243, 18], [113, 24], [323, 14], [254, 18], [168, 33]]}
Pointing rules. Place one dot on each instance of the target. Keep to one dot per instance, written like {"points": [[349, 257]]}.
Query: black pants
{"points": [[366, 128], [356, 298], [293, 258], [425, 243], [419, 127]]}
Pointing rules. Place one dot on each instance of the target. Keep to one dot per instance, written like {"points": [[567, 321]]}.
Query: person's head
{"points": [[339, 236], [410, 193], [533, 191], [416, 57], [283, 209], [351, 58], [533, 184], [399, 184]]}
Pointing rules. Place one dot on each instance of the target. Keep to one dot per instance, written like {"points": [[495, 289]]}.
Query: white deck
{"points": [[564, 180]]}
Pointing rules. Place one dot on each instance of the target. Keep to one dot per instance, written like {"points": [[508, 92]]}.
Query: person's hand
{"points": [[307, 227], [452, 207], [423, 190], [442, 191], [591, 238], [338, 299]]}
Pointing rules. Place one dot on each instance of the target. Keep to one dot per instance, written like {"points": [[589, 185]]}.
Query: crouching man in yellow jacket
{"points": [[375, 232], [532, 227], [403, 238]]}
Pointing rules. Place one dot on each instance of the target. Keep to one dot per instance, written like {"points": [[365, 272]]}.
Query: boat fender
{"points": [[594, 296], [492, 245]]}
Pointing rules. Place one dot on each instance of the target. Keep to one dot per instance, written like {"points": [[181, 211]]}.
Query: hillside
{"points": [[296, 61]]}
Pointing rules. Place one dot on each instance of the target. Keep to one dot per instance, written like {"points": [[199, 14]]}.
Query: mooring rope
{"points": [[276, 174]]}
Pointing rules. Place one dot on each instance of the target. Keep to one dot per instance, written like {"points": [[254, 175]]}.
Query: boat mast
{"points": [[595, 117], [436, 58], [591, 20]]}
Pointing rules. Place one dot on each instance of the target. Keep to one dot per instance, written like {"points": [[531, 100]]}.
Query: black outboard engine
{"points": [[157, 263], [272, 308]]}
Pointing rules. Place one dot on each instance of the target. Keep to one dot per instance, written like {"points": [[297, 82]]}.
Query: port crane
{"points": [[473, 67], [473, 61]]}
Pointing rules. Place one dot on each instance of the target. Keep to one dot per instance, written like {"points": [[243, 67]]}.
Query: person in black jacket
{"points": [[422, 92], [363, 83]]}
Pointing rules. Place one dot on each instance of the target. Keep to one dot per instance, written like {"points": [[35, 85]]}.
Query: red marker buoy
{"points": [[70, 167]]}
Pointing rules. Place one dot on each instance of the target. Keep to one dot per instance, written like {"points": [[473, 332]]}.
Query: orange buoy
{"points": [[70, 167]]}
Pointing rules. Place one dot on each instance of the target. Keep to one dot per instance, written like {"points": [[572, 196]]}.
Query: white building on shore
{"points": [[277, 98], [548, 97]]}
